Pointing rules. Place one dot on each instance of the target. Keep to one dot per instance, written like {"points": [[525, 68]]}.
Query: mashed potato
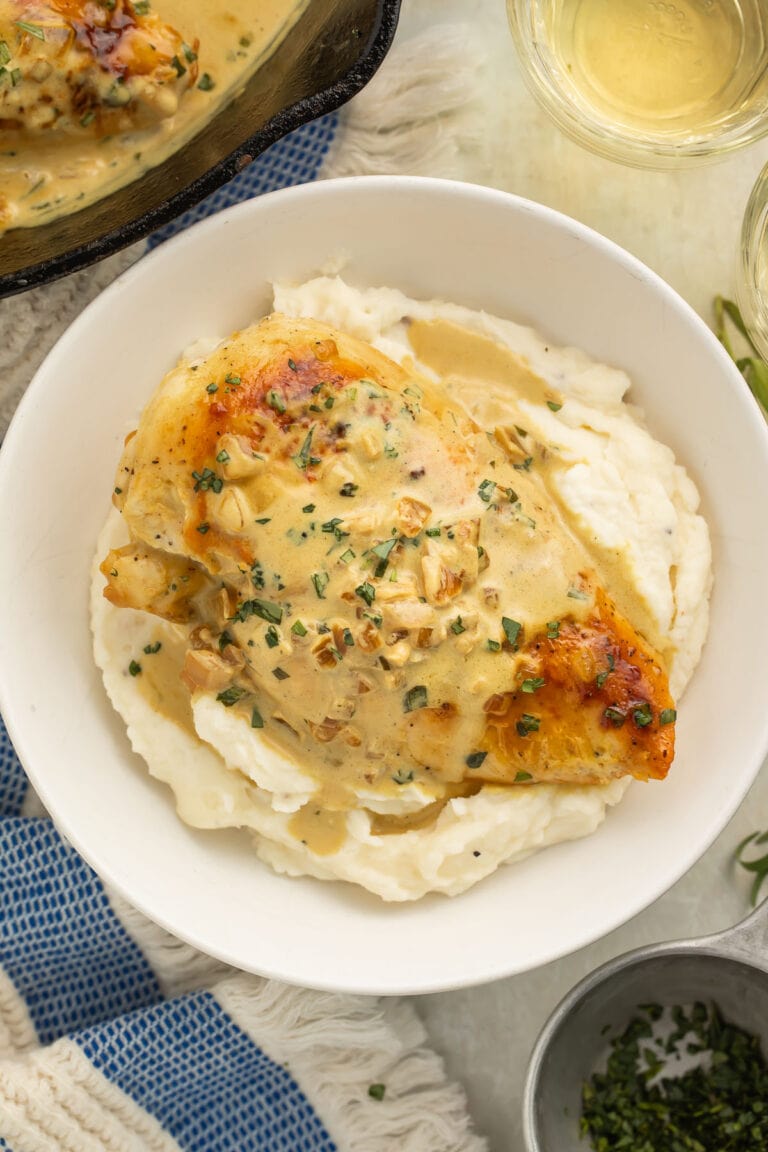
{"points": [[629, 506]]}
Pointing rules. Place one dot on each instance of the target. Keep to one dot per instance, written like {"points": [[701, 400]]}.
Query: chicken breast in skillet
{"points": [[81, 66]]}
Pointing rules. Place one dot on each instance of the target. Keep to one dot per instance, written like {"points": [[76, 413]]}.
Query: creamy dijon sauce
{"points": [[486, 511], [47, 175], [487, 377], [160, 662]]}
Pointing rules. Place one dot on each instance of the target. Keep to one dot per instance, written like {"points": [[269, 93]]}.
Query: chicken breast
{"points": [[386, 589], [80, 66]]}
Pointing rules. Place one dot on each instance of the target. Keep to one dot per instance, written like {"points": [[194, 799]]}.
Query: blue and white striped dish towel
{"points": [[115, 1037], [113, 1034]]}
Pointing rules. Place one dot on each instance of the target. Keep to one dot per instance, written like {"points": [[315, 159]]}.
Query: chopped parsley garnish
{"points": [[493, 645], [263, 520], [348, 489], [553, 629], [641, 1099], [203, 527], [207, 480], [87, 118], [280, 674], [320, 582], [527, 724], [402, 776], [532, 684], [275, 401], [521, 777], [134, 668], [308, 508], [390, 452], [432, 532], [292, 365], [303, 458], [178, 67], [642, 715], [189, 54], [457, 627], [272, 637], [347, 556], [151, 649], [366, 592], [5, 52], [264, 609], [374, 618], [524, 465], [520, 431], [224, 640], [232, 379], [118, 491], [376, 1091], [257, 720], [511, 630], [475, 759], [577, 594], [231, 695], [33, 29], [553, 406], [223, 457], [667, 716], [257, 575], [298, 628], [348, 638], [415, 698], [382, 552], [212, 387], [206, 82], [486, 490], [329, 401], [601, 677], [614, 716]]}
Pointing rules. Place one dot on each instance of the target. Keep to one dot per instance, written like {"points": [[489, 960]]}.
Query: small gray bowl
{"points": [[729, 968]]}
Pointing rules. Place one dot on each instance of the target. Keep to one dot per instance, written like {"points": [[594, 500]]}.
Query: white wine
{"points": [[674, 67]]}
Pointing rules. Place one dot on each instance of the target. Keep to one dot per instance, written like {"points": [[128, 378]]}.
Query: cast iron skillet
{"points": [[328, 56]]}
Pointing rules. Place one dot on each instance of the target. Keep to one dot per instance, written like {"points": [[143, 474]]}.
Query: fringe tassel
{"points": [[421, 113], [337, 1047], [32, 322]]}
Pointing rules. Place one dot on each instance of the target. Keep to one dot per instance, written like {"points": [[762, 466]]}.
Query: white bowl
{"points": [[430, 238]]}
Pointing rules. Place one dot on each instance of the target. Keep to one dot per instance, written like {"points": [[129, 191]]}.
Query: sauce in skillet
{"points": [[48, 174]]}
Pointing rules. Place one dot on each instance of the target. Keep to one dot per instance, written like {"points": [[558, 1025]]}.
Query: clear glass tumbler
{"points": [[654, 83], [752, 274]]}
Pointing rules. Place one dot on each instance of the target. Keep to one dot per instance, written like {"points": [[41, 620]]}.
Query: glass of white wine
{"points": [[648, 82]]}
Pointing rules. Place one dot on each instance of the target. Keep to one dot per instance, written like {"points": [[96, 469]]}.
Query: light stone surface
{"points": [[685, 225]]}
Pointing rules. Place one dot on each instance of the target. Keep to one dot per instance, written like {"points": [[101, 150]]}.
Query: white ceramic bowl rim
{"points": [[56, 470]]}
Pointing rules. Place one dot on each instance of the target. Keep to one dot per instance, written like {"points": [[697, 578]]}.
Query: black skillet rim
{"points": [[285, 121]]}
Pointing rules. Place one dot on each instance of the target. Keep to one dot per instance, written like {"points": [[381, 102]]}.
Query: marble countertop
{"points": [[685, 225]]}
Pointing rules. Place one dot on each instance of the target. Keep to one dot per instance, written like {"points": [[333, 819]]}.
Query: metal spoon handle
{"points": [[748, 938]]}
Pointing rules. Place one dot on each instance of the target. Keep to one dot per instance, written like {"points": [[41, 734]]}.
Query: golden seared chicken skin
{"points": [[85, 66], [390, 589]]}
